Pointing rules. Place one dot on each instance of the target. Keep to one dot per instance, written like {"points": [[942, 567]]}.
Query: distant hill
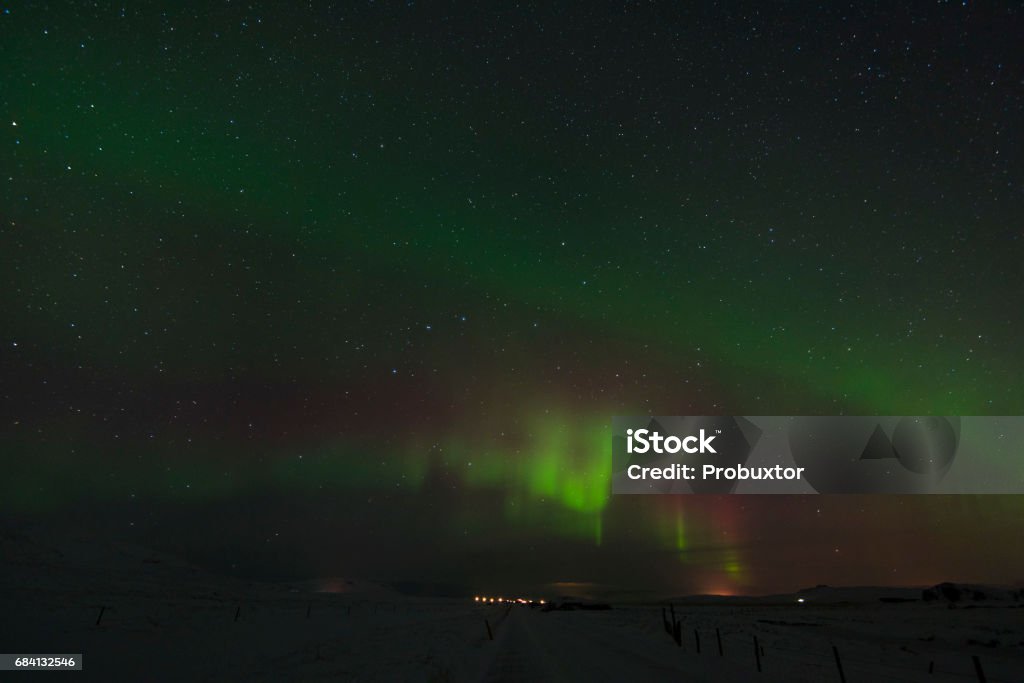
{"points": [[835, 595], [971, 593]]}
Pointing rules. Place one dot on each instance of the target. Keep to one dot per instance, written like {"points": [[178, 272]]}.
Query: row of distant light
{"points": [[511, 601], [525, 601]]}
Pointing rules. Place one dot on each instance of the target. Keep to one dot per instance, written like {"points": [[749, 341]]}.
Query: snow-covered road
{"points": [[574, 646]]}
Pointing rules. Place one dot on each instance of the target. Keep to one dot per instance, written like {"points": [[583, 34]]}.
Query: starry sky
{"points": [[297, 290]]}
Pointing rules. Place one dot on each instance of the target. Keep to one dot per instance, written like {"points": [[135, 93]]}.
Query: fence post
{"points": [[978, 670], [839, 664], [102, 610], [677, 633], [931, 667], [238, 610], [757, 653], [490, 633], [718, 634]]}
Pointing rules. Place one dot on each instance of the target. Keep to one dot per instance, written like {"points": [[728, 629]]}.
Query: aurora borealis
{"points": [[310, 291]]}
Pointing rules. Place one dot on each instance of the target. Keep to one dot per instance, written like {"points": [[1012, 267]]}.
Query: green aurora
{"points": [[285, 252]]}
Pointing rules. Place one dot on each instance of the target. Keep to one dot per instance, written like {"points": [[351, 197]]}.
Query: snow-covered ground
{"points": [[163, 620]]}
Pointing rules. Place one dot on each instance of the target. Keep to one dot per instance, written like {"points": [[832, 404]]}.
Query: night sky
{"points": [[298, 291]]}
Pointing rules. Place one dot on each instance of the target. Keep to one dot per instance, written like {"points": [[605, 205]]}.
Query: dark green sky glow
{"points": [[382, 274]]}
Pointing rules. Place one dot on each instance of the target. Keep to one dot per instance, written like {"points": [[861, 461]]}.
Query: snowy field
{"points": [[137, 616]]}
